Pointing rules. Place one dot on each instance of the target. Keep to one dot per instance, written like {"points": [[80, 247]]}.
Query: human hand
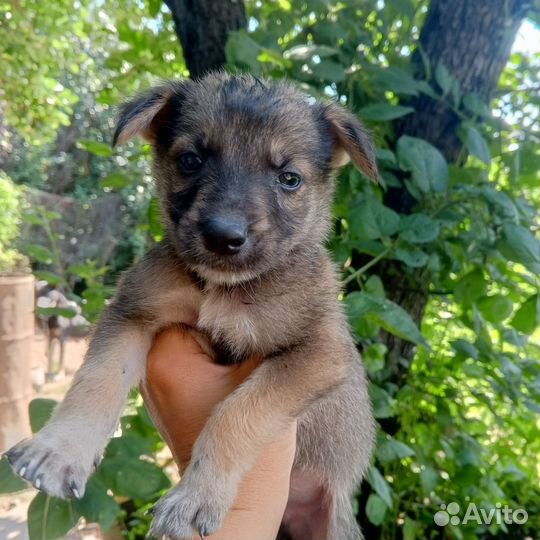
{"points": [[182, 387]]}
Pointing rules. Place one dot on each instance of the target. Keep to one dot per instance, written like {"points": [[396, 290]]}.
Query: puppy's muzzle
{"points": [[224, 236]]}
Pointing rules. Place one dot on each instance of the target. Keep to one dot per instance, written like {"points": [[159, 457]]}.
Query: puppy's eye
{"points": [[290, 181], [190, 162]]}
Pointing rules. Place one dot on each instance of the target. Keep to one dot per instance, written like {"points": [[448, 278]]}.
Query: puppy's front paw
{"points": [[58, 468], [197, 504]]}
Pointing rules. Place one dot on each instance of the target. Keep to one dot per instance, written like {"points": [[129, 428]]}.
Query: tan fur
{"points": [[279, 301]]}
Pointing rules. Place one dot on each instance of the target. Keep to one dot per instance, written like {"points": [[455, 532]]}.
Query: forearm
{"points": [[182, 388]]}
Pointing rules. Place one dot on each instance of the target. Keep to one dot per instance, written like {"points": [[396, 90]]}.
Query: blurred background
{"points": [[440, 261]]}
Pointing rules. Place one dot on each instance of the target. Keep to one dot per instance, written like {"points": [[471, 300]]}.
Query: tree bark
{"points": [[473, 40], [203, 26], [61, 175]]}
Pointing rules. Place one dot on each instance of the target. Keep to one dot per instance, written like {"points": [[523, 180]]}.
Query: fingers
{"points": [[182, 387]]}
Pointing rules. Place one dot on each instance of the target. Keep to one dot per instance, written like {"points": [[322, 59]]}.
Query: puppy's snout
{"points": [[224, 236]]}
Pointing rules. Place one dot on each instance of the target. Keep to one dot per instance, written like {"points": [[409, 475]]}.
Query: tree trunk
{"points": [[202, 26], [473, 40], [61, 175]]}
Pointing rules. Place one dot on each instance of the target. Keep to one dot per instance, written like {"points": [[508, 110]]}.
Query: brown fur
{"points": [[276, 297]]}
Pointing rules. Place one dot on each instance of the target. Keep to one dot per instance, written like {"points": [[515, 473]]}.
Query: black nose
{"points": [[224, 236]]}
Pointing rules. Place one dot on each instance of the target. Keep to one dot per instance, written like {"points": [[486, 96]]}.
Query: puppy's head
{"points": [[244, 168]]}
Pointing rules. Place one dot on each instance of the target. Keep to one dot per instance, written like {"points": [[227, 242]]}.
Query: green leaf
{"points": [[33, 219], [384, 154], [384, 112], [242, 51], [154, 7], [385, 313], [382, 402], [133, 478], [374, 286], [475, 143], [396, 80], [380, 486], [425, 163], [495, 308], [527, 317], [418, 229], [518, 244], [50, 277], [444, 79], [329, 71], [40, 410], [411, 255], [38, 253], [374, 357], [51, 215], [329, 32], [114, 181], [95, 147], [370, 219], [429, 479], [375, 509], [10, 481], [502, 204], [97, 506], [391, 450], [66, 312], [306, 52], [474, 103], [410, 527], [50, 518], [271, 56], [466, 349], [128, 446], [470, 287]]}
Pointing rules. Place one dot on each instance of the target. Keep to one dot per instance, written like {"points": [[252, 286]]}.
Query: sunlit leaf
{"points": [[520, 245], [527, 317], [10, 481], [476, 144], [114, 181], [40, 410], [95, 147], [384, 112], [426, 164], [50, 518]]}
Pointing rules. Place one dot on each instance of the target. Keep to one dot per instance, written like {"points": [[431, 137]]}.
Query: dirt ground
{"points": [[13, 508]]}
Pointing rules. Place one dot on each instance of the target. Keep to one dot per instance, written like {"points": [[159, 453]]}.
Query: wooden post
{"points": [[16, 336]]}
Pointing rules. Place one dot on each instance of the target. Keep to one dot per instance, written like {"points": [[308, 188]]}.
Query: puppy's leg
{"points": [[249, 419], [59, 459], [334, 445], [153, 294]]}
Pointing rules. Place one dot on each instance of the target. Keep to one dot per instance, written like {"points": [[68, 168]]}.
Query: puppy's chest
{"points": [[240, 325]]}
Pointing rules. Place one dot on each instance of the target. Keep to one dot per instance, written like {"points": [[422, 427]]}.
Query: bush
{"points": [[10, 218]]}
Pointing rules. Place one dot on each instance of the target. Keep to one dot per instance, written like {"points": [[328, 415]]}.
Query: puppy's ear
{"points": [[351, 141], [142, 114]]}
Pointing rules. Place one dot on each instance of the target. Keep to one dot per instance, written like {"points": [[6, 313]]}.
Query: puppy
{"points": [[244, 171]]}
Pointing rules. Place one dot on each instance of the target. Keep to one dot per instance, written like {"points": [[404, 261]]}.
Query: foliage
{"points": [[129, 470], [460, 421], [10, 202]]}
